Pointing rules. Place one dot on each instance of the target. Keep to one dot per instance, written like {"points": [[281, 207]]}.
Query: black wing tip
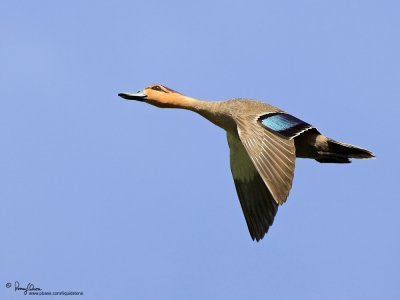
{"points": [[260, 217], [259, 237]]}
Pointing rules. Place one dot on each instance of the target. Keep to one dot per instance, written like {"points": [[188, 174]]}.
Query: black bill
{"points": [[139, 96]]}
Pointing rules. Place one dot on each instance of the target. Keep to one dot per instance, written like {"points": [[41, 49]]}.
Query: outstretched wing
{"points": [[258, 205], [273, 156]]}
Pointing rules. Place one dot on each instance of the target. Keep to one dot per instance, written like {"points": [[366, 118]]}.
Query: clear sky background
{"points": [[122, 200]]}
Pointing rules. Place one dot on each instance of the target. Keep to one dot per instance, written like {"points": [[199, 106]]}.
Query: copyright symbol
{"points": [[8, 285]]}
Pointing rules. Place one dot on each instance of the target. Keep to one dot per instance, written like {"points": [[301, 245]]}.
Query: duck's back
{"points": [[249, 107]]}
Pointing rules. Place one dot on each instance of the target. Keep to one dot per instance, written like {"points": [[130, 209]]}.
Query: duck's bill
{"points": [[139, 96]]}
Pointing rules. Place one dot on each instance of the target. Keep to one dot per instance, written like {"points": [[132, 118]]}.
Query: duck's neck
{"points": [[197, 105], [182, 102], [211, 110]]}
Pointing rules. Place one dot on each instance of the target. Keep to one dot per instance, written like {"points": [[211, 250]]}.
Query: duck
{"points": [[264, 142]]}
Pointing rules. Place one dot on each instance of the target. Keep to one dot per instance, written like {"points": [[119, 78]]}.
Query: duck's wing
{"points": [[284, 124], [258, 205], [272, 154]]}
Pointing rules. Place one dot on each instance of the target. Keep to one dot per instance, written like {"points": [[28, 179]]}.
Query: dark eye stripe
{"points": [[157, 88], [164, 89]]}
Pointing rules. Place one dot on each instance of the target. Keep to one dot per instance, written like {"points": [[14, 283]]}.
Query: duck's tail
{"points": [[339, 152]]}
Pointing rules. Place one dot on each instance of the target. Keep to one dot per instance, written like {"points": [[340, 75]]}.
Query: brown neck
{"points": [[182, 102], [211, 110]]}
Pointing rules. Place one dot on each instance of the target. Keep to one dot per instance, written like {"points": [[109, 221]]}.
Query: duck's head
{"points": [[157, 95]]}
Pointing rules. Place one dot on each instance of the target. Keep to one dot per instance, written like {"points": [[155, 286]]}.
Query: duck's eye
{"points": [[156, 88]]}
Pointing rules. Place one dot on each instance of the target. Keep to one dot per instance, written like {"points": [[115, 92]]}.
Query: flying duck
{"points": [[264, 142]]}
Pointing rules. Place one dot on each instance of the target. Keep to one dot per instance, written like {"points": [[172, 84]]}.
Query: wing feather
{"points": [[272, 154], [284, 124], [258, 205]]}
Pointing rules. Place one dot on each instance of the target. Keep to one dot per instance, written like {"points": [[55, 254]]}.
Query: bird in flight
{"points": [[264, 142]]}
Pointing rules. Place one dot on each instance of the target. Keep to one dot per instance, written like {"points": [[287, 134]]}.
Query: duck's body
{"points": [[264, 142]]}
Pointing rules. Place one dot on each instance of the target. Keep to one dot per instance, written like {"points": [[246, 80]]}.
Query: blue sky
{"points": [[122, 200]]}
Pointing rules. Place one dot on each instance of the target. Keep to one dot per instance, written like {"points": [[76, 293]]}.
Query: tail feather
{"points": [[349, 150], [339, 152], [327, 157]]}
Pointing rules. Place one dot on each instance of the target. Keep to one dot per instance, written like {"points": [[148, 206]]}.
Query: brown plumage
{"points": [[264, 142]]}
